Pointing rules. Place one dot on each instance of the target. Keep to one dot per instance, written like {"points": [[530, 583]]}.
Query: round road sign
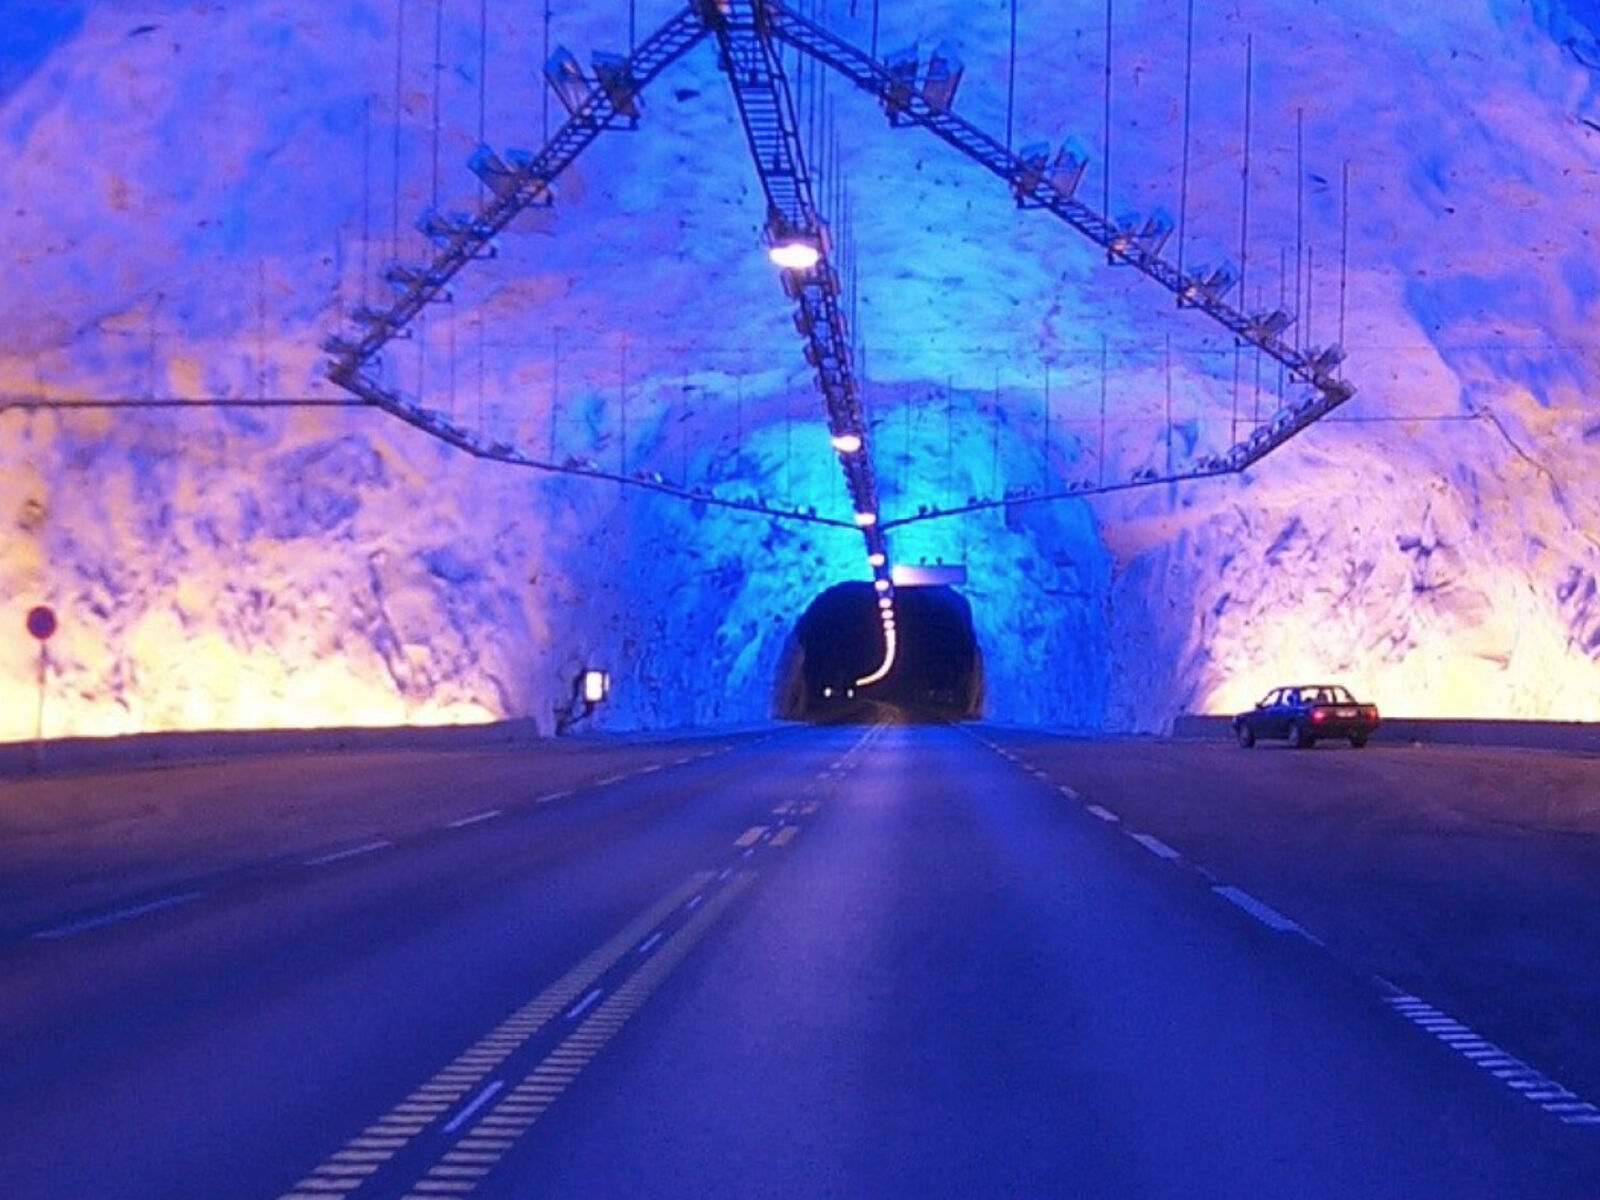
{"points": [[42, 622]]}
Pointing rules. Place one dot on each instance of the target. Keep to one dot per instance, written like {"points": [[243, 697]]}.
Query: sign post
{"points": [[42, 625]]}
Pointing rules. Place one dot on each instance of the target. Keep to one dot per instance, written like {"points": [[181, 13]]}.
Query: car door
{"points": [[1283, 712], [1268, 716]]}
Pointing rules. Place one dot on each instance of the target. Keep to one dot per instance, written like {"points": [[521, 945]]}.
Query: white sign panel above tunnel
{"points": [[914, 575]]}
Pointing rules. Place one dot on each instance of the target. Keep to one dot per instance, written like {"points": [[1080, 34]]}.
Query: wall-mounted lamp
{"points": [[591, 688], [594, 686]]}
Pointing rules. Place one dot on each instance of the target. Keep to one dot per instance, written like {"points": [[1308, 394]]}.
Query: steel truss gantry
{"points": [[747, 33]]}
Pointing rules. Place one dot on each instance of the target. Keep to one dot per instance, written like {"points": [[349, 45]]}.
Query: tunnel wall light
{"points": [[594, 686], [589, 690]]}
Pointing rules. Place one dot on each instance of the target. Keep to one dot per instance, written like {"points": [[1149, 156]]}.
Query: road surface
{"points": [[879, 961]]}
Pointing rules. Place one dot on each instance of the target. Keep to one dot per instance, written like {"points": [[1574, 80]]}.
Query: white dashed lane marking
{"points": [[323, 860], [1265, 913], [750, 836], [474, 819], [1105, 814], [1156, 846]]}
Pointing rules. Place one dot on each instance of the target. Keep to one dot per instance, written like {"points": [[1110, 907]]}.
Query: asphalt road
{"points": [[876, 962]]}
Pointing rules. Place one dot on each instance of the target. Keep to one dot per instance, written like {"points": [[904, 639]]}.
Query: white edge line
{"points": [[338, 855], [549, 796], [113, 918], [474, 819], [1105, 814]]}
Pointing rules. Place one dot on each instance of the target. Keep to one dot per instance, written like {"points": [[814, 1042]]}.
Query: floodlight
{"points": [[795, 254], [594, 686]]}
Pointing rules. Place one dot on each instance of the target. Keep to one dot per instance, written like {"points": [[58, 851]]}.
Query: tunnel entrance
{"points": [[938, 667]]}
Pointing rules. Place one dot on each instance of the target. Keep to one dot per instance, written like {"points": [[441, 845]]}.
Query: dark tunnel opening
{"points": [[937, 673]]}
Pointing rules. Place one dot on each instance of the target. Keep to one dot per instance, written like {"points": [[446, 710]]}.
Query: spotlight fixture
{"points": [[595, 686], [795, 254]]}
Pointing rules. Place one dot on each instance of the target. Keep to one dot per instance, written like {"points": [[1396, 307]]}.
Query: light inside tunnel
{"points": [[795, 255], [890, 652], [847, 443]]}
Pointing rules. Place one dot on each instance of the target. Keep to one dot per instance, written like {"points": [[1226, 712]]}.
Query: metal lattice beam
{"points": [[751, 60], [747, 32], [1050, 185]]}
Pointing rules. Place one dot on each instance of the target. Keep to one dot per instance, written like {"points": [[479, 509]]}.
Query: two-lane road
{"points": [[870, 962]]}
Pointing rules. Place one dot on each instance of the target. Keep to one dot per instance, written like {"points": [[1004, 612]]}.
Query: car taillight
{"points": [[1319, 714], [1372, 711]]}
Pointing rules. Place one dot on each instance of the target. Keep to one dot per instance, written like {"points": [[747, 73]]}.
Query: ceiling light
{"points": [[795, 255], [876, 559], [847, 443], [866, 519], [881, 584]]}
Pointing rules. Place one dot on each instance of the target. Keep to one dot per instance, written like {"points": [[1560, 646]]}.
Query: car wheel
{"points": [[1359, 740], [1299, 739], [1246, 736]]}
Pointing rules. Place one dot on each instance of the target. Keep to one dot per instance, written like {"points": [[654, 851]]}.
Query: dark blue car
{"points": [[1302, 715]]}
